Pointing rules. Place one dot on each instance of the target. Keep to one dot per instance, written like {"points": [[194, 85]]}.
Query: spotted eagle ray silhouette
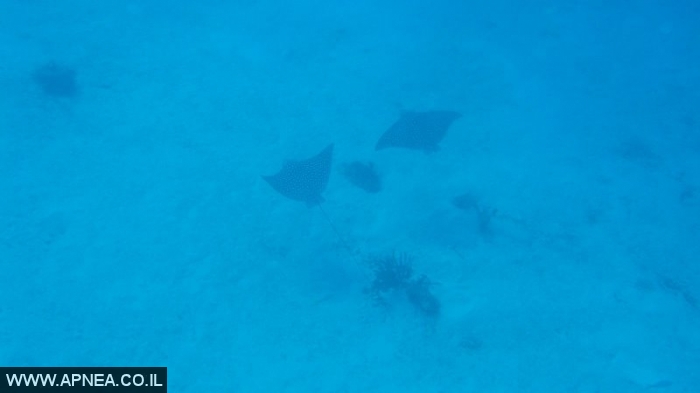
{"points": [[305, 181], [418, 130]]}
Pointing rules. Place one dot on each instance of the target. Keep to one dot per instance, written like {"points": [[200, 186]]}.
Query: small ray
{"points": [[304, 180], [418, 131]]}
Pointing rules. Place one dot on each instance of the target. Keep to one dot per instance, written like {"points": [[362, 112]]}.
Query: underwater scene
{"points": [[354, 196]]}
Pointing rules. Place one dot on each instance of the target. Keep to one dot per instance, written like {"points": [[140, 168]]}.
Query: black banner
{"points": [[83, 379]]}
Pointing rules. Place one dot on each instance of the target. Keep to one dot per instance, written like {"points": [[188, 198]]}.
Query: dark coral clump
{"points": [[419, 295], [364, 176], [394, 273], [56, 80], [391, 272]]}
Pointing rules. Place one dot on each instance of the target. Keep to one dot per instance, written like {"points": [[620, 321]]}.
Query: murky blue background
{"points": [[135, 227]]}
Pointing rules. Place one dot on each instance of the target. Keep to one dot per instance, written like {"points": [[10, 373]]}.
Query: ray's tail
{"points": [[335, 229]]}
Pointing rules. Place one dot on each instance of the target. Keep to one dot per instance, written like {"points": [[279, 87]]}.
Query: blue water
{"points": [[136, 229]]}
